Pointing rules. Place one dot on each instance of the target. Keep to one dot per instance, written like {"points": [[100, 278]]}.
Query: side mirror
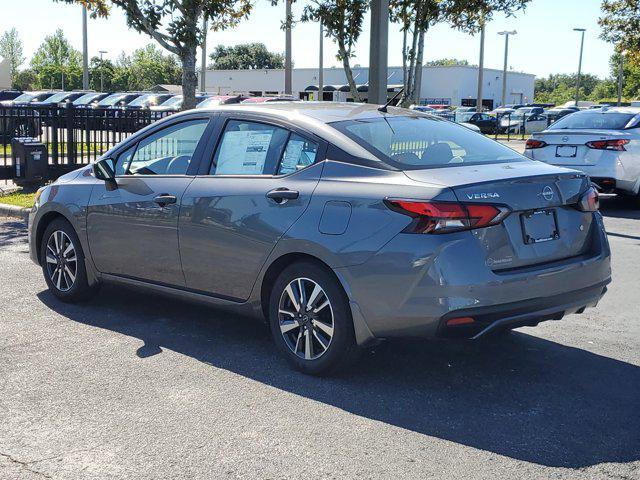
{"points": [[105, 170]]}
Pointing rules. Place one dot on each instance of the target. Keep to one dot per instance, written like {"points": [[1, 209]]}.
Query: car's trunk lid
{"points": [[568, 147], [544, 224]]}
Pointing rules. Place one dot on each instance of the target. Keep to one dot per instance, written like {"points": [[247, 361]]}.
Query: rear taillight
{"points": [[617, 145], [444, 217], [533, 143], [590, 201]]}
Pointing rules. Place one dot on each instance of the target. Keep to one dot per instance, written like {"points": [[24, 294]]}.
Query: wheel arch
{"points": [[362, 332], [42, 225]]}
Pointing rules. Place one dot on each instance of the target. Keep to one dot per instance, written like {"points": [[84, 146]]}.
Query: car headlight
{"points": [[36, 201]]}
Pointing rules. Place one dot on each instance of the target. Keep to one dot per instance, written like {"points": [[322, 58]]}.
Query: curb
{"points": [[14, 211]]}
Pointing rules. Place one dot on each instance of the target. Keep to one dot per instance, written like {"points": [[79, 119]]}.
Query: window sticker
{"points": [[243, 152]]}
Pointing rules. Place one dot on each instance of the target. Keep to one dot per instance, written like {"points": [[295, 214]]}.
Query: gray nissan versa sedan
{"points": [[342, 224]]}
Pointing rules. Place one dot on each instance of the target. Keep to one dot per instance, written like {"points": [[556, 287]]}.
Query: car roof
{"points": [[607, 110], [314, 117]]}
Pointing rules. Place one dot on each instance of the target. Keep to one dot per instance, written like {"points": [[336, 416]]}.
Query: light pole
{"points": [[581, 30], [378, 52], [85, 51], [101, 52], [287, 50], [480, 71], [620, 76], [504, 70], [321, 67]]}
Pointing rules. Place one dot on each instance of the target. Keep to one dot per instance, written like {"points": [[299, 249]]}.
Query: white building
{"points": [[5, 74], [454, 85]]}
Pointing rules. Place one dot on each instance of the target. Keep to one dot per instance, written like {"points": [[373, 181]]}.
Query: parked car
{"points": [[485, 122], [524, 120], [27, 98], [471, 126], [59, 97], [282, 98], [118, 99], [90, 99], [340, 224], [9, 94], [19, 121], [555, 114], [422, 108], [174, 104], [220, 100], [147, 100], [604, 144]]}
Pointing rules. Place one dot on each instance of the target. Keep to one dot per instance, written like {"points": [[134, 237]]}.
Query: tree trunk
{"points": [[189, 78], [417, 82], [344, 55]]}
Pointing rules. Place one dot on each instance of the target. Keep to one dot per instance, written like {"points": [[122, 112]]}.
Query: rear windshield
{"points": [[593, 121], [424, 142]]}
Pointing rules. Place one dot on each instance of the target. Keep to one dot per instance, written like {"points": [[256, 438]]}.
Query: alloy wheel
{"points": [[62, 261], [305, 317]]}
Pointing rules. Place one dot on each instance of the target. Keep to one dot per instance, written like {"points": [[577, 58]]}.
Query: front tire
{"points": [[63, 262], [310, 319]]}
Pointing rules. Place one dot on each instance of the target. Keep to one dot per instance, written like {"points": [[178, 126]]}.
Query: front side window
{"points": [[168, 151], [249, 148], [424, 142], [299, 153]]}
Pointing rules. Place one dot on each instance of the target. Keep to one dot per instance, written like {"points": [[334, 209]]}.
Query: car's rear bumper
{"points": [[411, 287], [605, 166], [528, 312]]}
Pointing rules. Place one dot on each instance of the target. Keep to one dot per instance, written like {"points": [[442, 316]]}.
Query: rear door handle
{"points": [[165, 199], [282, 194]]}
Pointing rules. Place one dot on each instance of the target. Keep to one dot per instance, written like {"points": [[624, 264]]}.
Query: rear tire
{"points": [[313, 330], [63, 263]]}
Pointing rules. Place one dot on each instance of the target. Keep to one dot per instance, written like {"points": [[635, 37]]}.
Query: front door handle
{"points": [[165, 199], [282, 194]]}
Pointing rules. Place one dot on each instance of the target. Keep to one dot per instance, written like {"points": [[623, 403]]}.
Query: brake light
{"points": [[590, 201], [444, 217], [533, 143], [617, 145]]}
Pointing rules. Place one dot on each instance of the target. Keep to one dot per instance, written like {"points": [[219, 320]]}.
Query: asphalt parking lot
{"points": [[135, 386]]}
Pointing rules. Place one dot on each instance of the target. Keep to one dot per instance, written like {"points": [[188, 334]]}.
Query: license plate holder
{"points": [[539, 226], [566, 151]]}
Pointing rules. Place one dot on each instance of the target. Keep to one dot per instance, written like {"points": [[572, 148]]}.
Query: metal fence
{"points": [[73, 136]]}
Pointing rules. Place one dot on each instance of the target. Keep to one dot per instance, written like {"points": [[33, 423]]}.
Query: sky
{"points": [[545, 42]]}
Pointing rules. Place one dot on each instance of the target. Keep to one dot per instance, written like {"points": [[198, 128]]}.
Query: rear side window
{"points": [[594, 121], [424, 142], [299, 153], [249, 148]]}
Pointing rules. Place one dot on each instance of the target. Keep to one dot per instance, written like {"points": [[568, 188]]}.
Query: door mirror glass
{"points": [[105, 169]]}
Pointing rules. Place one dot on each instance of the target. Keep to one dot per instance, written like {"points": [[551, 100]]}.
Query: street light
{"points": [[101, 52], [506, 34], [620, 76], [581, 30]]}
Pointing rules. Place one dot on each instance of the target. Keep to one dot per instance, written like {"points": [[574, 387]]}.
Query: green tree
{"points": [[25, 80], [448, 62], [620, 24], [561, 88], [342, 21], [248, 56], [57, 64], [11, 49], [149, 67], [417, 16], [176, 26]]}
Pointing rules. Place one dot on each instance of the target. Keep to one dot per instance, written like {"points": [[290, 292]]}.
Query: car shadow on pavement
{"points": [[13, 232], [620, 207], [520, 396]]}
